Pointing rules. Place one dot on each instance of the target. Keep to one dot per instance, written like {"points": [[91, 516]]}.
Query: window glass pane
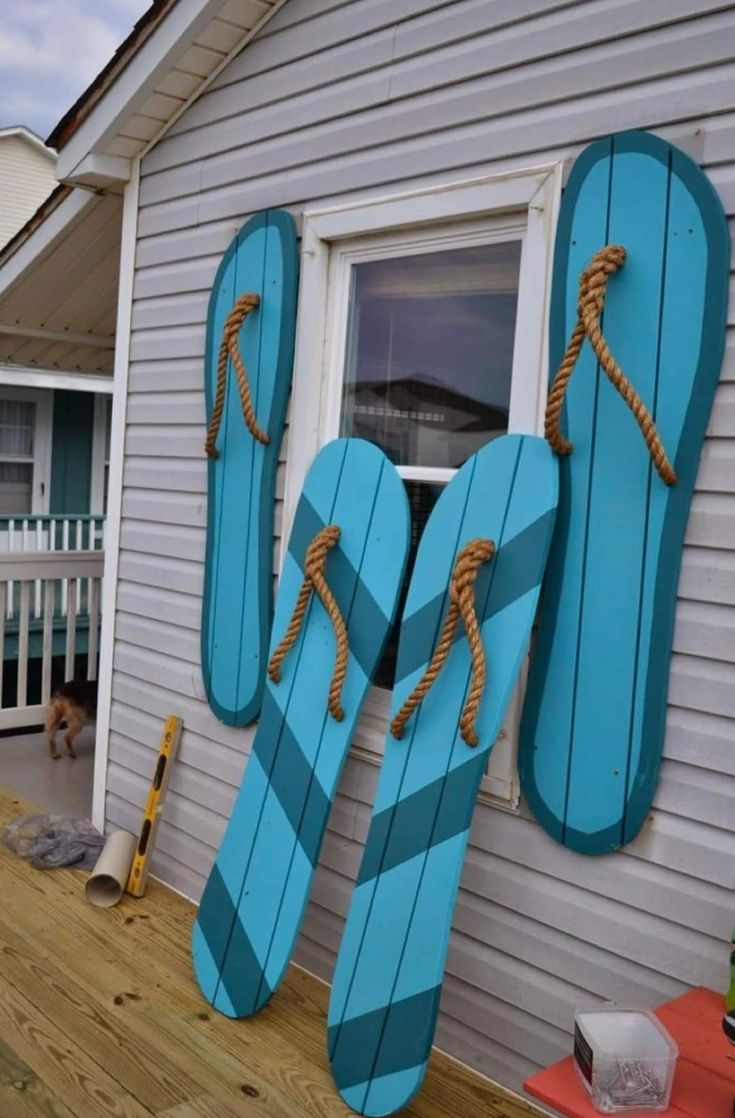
{"points": [[16, 488], [429, 352], [16, 428]]}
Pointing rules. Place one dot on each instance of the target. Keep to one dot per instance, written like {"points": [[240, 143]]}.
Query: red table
{"points": [[704, 1083]]}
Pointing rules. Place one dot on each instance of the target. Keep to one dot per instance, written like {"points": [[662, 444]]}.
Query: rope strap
{"points": [[462, 604], [316, 555], [229, 348], [592, 291]]}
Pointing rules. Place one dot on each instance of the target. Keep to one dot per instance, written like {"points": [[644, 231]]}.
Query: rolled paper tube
{"points": [[107, 881]]}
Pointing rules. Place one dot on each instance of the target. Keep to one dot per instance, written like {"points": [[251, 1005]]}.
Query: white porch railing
{"points": [[23, 576], [49, 534]]}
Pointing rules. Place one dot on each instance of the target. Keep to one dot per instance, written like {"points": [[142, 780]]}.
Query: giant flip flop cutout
{"points": [[480, 560], [336, 600], [248, 365], [595, 708]]}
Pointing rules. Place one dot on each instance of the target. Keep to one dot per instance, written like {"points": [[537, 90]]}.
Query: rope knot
{"points": [[466, 567], [314, 579], [243, 306], [590, 305], [461, 604]]}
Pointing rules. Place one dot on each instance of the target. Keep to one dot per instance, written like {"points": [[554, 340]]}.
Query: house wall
{"points": [[27, 177], [340, 100]]}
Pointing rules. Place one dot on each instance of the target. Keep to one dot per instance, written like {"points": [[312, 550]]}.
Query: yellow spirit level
{"points": [[154, 806]]}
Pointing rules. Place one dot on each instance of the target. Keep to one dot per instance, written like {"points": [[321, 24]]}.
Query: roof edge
{"points": [[85, 103], [32, 137]]}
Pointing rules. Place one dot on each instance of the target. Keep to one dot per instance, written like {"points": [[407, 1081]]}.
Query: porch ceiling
{"points": [[58, 286]]}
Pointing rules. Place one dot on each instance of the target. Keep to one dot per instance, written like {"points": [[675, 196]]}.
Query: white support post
{"points": [[114, 496]]}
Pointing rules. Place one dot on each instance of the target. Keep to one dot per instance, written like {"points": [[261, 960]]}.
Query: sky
{"points": [[50, 50]]}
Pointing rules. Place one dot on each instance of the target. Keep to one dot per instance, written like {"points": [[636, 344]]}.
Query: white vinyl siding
{"points": [[27, 177], [338, 101]]}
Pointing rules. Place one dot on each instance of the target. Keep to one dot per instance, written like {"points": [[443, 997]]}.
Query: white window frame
{"points": [[99, 460], [520, 205], [42, 439]]}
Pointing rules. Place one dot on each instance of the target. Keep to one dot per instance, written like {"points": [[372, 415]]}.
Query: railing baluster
{"points": [[92, 526], [71, 627], [79, 548], [25, 600], [94, 624], [3, 606], [37, 584], [49, 593], [11, 547], [65, 583]]}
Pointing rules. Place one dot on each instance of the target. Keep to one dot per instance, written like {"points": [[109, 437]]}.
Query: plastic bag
{"points": [[49, 841]]}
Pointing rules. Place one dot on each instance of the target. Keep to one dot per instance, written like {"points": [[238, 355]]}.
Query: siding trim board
{"points": [[114, 492], [380, 101]]}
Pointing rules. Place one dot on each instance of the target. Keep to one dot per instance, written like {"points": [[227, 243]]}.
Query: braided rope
{"points": [[229, 348], [316, 555], [592, 291], [462, 604]]}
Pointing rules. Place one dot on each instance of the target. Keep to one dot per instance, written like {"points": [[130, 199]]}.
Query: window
{"points": [[100, 455], [427, 366], [25, 451], [407, 337]]}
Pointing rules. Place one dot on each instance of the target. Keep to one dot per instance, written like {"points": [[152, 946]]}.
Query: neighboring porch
{"points": [[58, 309], [62, 787], [100, 1015], [49, 632]]}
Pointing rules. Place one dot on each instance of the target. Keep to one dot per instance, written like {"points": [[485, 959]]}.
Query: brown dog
{"points": [[74, 702]]}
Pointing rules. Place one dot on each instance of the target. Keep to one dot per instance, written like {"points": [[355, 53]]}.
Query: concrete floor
{"points": [[62, 787]]}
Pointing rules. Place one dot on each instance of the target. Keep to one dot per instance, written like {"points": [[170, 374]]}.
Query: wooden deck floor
{"points": [[100, 1016]]}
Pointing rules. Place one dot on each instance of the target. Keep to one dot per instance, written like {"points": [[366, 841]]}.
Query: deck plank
{"points": [[32, 1100], [100, 1015]]}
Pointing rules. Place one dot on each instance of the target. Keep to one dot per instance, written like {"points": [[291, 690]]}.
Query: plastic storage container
{"points": [[625, 1059]]}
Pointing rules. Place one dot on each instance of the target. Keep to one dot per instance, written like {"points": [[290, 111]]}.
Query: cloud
{"points": [[50, 50]]}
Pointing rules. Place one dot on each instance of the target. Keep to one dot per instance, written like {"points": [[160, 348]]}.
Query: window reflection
{"points": [[430, 351]]}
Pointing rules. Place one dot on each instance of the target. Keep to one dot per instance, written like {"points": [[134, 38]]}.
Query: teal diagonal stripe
{"points": [[216, 913], [384, 1041], [367, 625], [292, 778], [514, 571], [226, 938], [433, 814], [242, 976]]}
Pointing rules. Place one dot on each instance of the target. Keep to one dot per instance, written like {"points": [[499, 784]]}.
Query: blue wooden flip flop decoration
{"points": [[243, 446], [256, 894], [385, 996], [594, 715]]}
